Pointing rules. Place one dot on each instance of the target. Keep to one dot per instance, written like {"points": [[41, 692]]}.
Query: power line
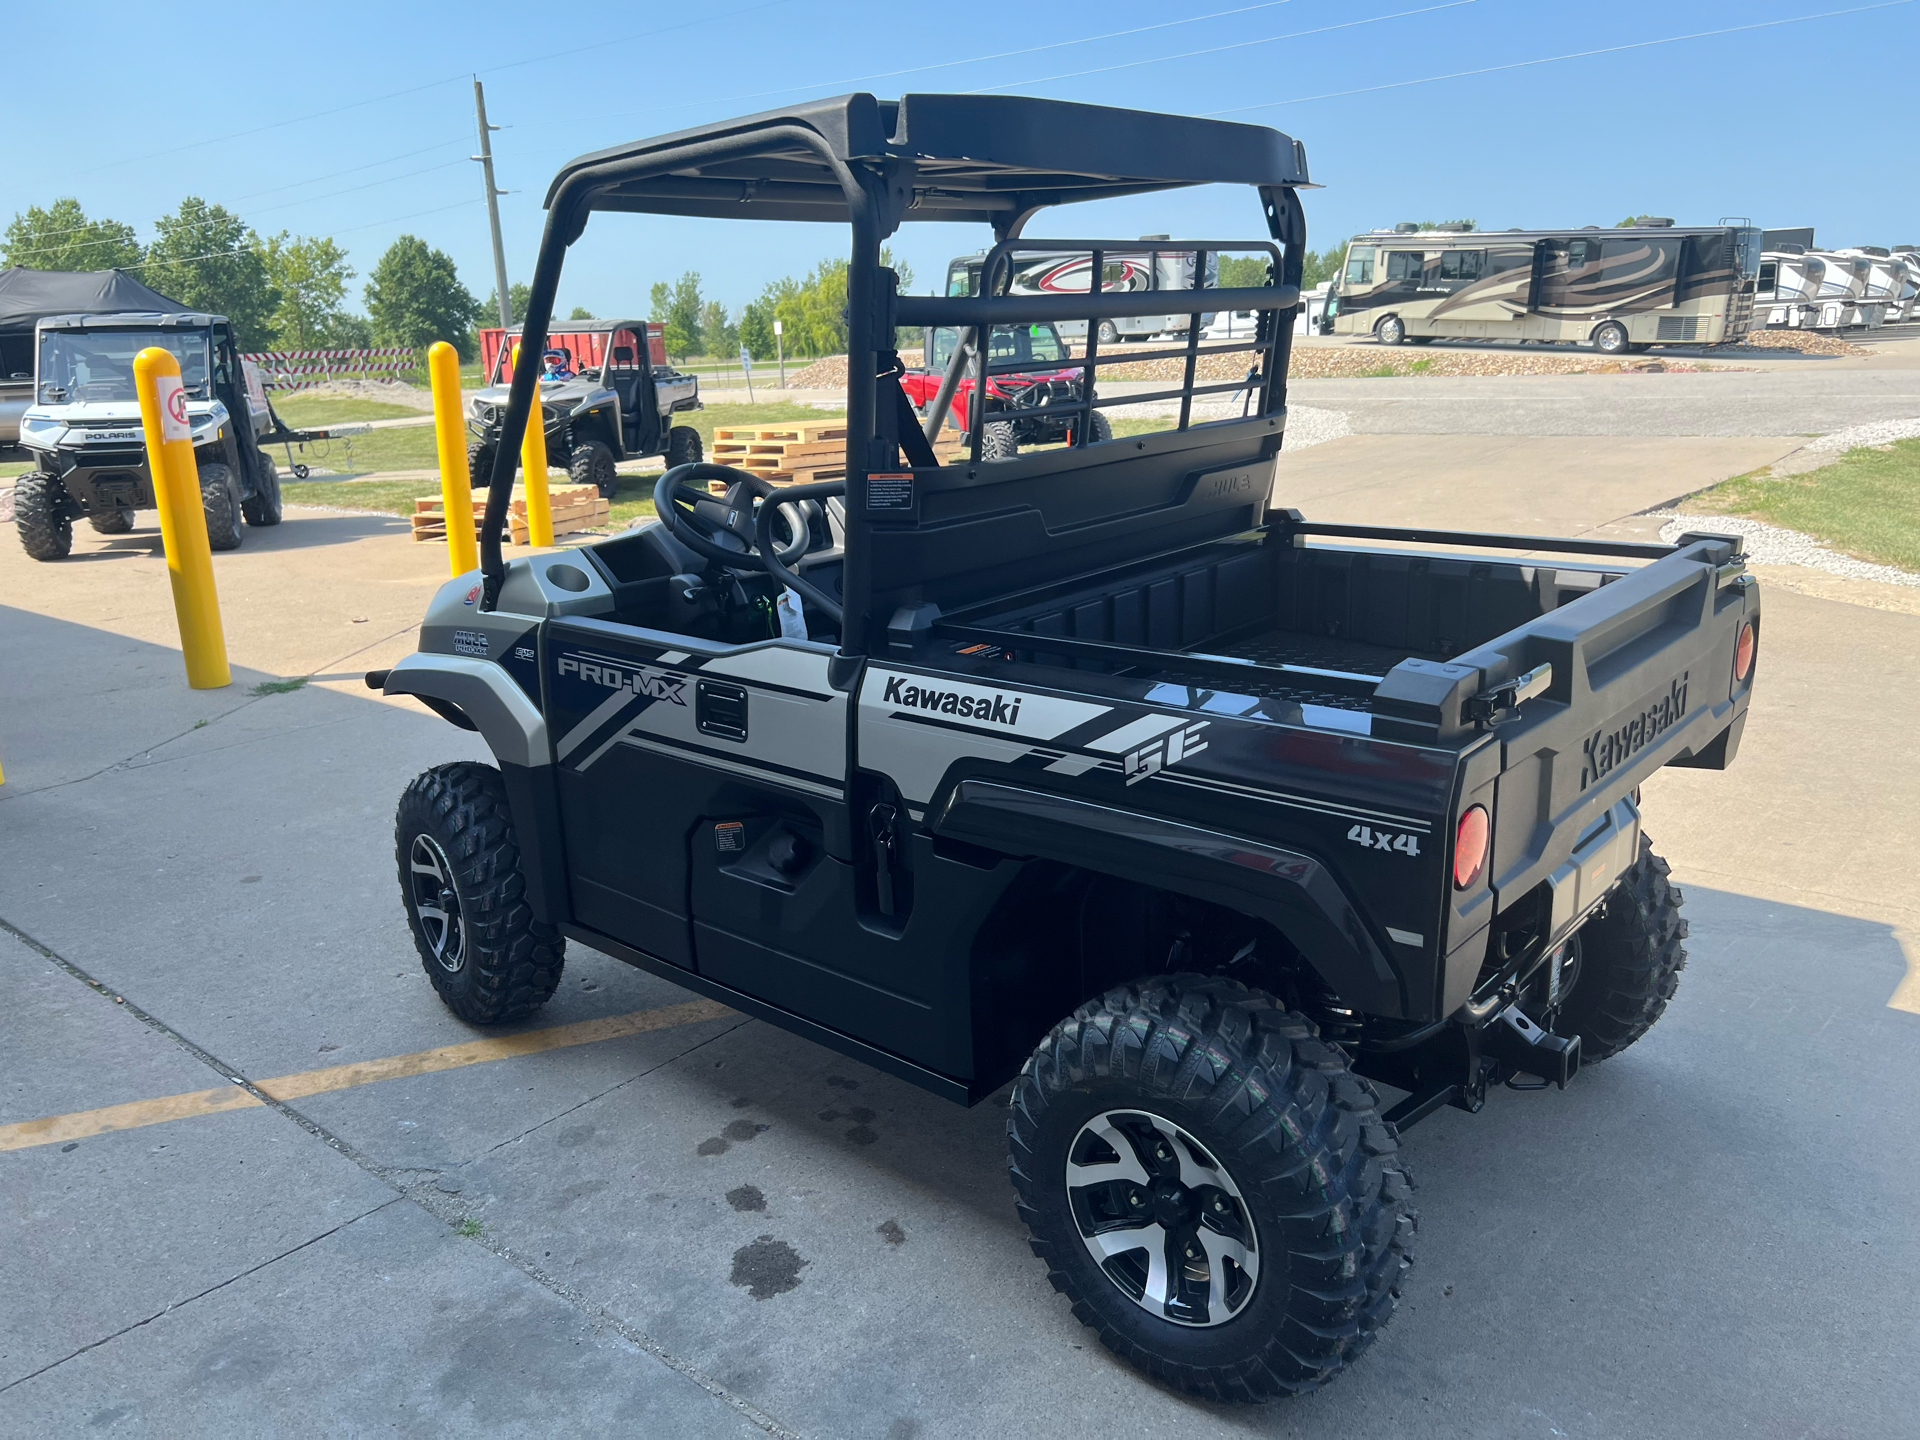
{"points": [[1551, 59], [355, 169], [1219, 49]]}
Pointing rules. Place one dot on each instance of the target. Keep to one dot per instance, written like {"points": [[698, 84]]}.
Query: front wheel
{"points": [[1391, 331], [1211, 1186], [115, 520], [1629, 958], [998, 442], [40, 517], [1108, 332], [465, 896], [684, 446], [220, 500], [1610, 338]]}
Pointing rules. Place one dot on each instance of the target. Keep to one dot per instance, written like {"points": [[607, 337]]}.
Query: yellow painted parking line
{"points": [[79, 1124]]}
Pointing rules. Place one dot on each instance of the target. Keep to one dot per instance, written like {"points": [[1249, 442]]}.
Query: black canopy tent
{"points": [[874, 164], [28, 296]]}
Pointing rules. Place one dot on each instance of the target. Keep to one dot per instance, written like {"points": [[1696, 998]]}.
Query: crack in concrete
{"points": [[449, 1209], [174, 1305], [618, 1085]]}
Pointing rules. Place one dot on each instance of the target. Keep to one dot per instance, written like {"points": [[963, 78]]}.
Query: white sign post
{"points": [[746, 368], [781, 350]]}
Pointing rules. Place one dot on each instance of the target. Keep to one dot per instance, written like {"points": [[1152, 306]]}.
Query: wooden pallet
{"points": [[572, 507], [793, 454]]}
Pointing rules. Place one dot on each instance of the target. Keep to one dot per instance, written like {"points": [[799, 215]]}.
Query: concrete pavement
{"points": [[714, 1228]]}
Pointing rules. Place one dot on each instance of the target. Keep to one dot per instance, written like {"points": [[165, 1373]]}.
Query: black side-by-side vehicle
{"points": [[1084, 769]]}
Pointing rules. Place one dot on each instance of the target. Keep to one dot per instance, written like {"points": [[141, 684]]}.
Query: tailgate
{"points": [[1642, 677]]}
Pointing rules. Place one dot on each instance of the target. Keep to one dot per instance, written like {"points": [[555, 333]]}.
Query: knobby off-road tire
{"points": [[264, 508], [1244, 1092], [117, 521], [220, 499], [1630, 961], [1100, 429], [592, 464], [684, 446], [997, 442], [40, 517], [465, 896], [480, 465]]}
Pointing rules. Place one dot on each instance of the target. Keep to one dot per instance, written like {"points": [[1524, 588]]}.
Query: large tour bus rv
{"points": [[1616, 290], [1063, 272]]}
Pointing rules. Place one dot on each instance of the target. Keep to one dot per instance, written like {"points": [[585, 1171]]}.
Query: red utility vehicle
{"points": [[1020, 388]]}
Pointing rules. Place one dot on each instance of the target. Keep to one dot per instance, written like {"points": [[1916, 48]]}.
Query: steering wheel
{"points": [[728, 531]]}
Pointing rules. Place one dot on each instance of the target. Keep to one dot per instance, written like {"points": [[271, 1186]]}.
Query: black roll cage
{"points": [[891, 172]]}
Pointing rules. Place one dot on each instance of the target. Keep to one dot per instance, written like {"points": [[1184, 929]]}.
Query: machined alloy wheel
{"points": [[1107, 332], [1162, 1218], [1391, 331], [437, 904]]}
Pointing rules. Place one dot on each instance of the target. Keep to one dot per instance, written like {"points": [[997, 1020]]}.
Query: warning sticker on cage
{"points": [[172, 397], [890, 491], [730, 835]]}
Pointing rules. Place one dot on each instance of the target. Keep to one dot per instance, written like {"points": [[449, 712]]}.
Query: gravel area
{"points": [[1771, 545], [392, 392], [1306, 424], [1883, 432]]}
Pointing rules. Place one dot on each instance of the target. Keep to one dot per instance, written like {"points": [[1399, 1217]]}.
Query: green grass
{"points": [[469, 1228], [1867, 503], [301, 411], [409, 448], [281, 687]]}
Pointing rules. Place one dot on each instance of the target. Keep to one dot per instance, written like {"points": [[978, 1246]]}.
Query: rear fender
{"points": [[1294, 892]]}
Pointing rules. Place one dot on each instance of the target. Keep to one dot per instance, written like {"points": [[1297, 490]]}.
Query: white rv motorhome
{"points": [[1909, 258], [1787, 294], [1886, 280], [1843, 293], [1056, 272]]}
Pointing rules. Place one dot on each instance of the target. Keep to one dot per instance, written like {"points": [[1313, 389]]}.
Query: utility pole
{"points": [[485, 157]]}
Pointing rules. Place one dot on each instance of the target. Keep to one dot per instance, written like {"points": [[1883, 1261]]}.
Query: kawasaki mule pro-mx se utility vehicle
{"points": [[83, 429], [1084, 770], [614, 404]]}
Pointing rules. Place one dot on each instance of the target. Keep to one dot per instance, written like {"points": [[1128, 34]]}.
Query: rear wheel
{"points": [[1609, 338], [1391, 331], [1107, 332], [115, 521], [1211, 1186], [1630, 958], [264, 508], [592, 464], [220, 500], [465, 896], [1100, 428], [997, 442], [684, 446], [40, 517]]}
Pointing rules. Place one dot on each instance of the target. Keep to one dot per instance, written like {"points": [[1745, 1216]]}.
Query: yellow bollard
{"points": [[449, 428], [183, 523], [533, 466]]}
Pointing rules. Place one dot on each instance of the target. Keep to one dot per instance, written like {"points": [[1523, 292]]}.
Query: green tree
{"points": [[1250, 271], [678, 307], [311, 274], [756, 328], [61, 237], [720, 335], [1442, 224], [1637, 220], [208, 258], [415, 297], [346, 332], [517, 297], [580, 312]]}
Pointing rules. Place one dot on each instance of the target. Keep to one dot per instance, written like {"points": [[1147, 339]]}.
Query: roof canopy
{"points": [[948, 157], [27, 296]]}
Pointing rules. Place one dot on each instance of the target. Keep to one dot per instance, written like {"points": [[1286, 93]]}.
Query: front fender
{"points": [[507, 720]]}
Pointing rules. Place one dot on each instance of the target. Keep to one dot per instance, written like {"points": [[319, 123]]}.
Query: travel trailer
{"points": [[1068, 272], [1787, 292]]}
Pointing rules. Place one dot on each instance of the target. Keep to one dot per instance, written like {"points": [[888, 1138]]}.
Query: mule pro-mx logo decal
{"points": [[654, 684]]}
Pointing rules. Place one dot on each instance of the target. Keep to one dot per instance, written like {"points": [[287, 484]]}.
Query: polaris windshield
{"points": [[89, 365]]}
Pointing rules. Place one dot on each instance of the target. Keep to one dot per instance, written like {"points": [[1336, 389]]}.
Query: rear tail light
{"points": [[1743, 649], [1470, 847]]}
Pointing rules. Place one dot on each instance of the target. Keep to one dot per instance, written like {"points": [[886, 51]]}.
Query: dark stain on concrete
{"points": [[574, 1135], [766, 1268], [863, 1134], [742, 1129], [101, 1419], [903, 1428], [746, 1197], [840, 1082], [890, 1231], [859, 1114], [742, 1101], [712, 1146]]}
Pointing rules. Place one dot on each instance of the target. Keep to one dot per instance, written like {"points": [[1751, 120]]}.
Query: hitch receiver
{"points": [[1515, 1040]]}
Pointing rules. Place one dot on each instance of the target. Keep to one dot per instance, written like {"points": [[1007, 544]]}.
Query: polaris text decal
{"points": [[1605, 749], [652, 683]]}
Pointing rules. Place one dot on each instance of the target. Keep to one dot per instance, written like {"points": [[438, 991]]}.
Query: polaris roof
{"points": [[30, 295], [963, 157]]}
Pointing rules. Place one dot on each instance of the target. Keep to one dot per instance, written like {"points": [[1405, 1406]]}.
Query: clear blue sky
{"points": [[121, 107]]}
